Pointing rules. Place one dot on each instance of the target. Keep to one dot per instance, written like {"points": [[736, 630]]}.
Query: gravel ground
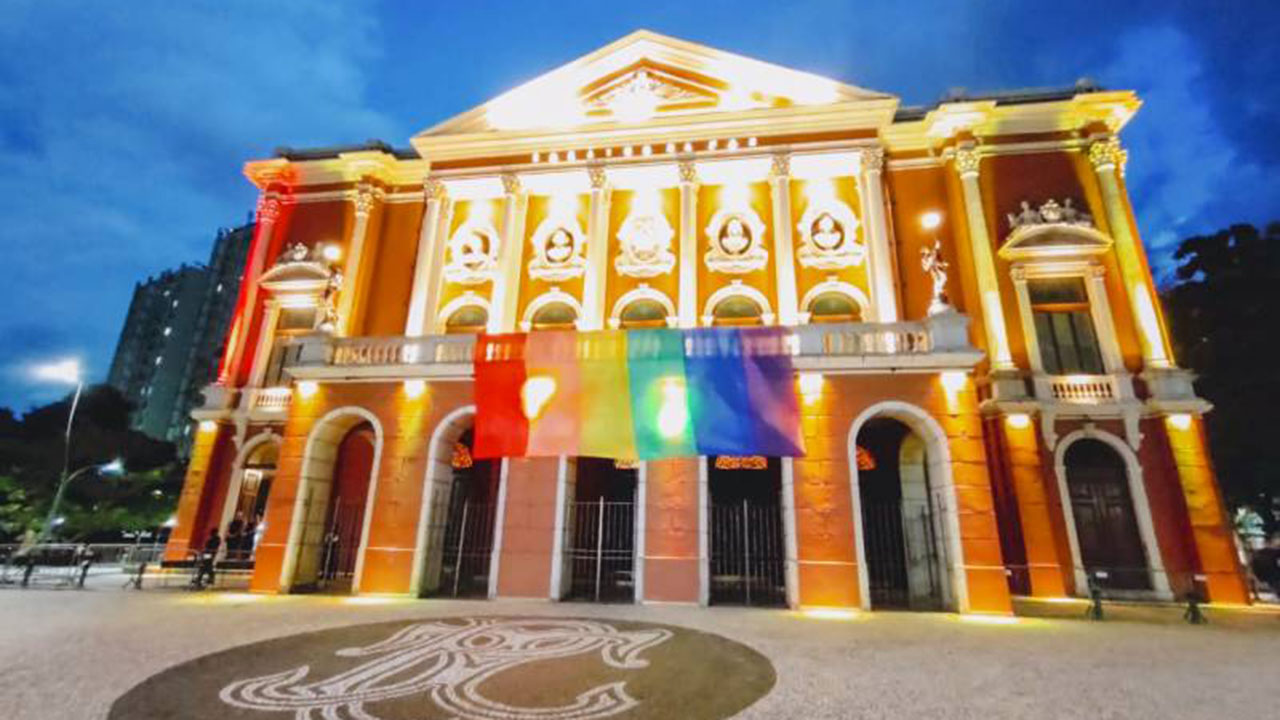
{"points": [[67, 654]]}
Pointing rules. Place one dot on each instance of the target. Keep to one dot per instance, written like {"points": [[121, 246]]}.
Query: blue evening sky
{"points": [[123, 126]]}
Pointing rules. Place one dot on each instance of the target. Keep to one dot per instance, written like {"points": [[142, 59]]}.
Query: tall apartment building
{"points": [[173, 337]]}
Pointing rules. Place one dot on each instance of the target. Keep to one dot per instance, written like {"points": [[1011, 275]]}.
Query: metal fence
{"points": [[601, 551], [468, 549], [748, 559]]}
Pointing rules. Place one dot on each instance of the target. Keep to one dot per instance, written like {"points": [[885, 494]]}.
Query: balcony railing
{"points": [[1082, 388], [939, 342]]}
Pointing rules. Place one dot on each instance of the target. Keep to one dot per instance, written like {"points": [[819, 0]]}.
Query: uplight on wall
{"points": [[307, 388], [931, 220], [810, 386], [332, 253], [1018, 421], [414, 388], [1180, 421], [208, 426], [953, 382]]}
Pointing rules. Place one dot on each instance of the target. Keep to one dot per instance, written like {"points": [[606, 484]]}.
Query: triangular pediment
{"points": [[644, 77]]}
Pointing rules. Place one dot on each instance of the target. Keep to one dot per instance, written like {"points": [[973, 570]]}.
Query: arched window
{"points": [[467, 319], [834, 307], [643, 313], [737, 310], [555, 316]]}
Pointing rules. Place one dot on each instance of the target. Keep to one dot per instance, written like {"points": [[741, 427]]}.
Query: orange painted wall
{"points": [[617, 284], [539, 208], [391, 259], [913, 192], [764, 279], [826, 556], [671, 562], [528, 527], [845, 190]]}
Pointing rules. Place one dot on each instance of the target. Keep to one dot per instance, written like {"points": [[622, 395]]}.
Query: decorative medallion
{"points": [[829, 236], [736, 238], [557, 250], [645, 240], [466, 668], [473, 254]]}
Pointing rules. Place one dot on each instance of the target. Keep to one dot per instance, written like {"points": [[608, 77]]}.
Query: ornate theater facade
{"points": [[987, 399]]}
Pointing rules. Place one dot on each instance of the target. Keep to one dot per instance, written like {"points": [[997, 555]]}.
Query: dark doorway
{"points": [[600, 548], [1106, 527], [466, 545], [900, 526], [344, 522], [748, 552]]}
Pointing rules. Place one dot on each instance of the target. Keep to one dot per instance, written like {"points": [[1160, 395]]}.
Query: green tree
{"points": [[1223, 313], [95, 507]]}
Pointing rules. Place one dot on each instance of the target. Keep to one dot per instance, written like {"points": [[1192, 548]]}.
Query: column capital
{"points": [[872, 159], [433, 188], [598, 177], [968, 160], [781, 167], [364, 199], [688, 172], [268, 209], [1107, 153], [511, 184]]}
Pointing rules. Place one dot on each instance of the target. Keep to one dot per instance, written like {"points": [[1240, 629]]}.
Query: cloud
{"points": [[1186, 174], [122, 131]]}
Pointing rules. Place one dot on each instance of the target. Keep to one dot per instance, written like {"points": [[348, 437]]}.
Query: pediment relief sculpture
{"points": [[829, 237], [736, 242]]}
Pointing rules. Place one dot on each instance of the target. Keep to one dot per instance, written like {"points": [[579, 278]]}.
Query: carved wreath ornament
{"points": [[645, 245], [557, 250], [829, 237], [473, 254], [447, 664], [736, 240]]}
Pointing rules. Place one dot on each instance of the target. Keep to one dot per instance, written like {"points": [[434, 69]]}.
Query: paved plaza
{"points": [[67, 654]]}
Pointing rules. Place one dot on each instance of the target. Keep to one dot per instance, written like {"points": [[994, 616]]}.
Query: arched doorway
{"points": [[600, 526], [747, 549], [459, 542], [344, 521], [246, 507], [1106, 527], [329, 521], [903, 535]]}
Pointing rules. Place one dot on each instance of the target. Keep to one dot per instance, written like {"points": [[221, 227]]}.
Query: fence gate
{"points": [[904, 558], [340, 545], [601, 551], [468, 548], [748, 560]]}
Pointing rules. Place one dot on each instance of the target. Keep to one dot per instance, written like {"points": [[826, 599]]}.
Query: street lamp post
{"points": [[115, 467], [64, 371]]}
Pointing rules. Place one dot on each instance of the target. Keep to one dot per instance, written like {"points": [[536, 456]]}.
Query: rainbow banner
{"points": [[636, 394]]}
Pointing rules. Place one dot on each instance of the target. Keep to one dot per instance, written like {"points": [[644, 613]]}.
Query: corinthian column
{"points": [[594, 282], [966, 162], [268, 213], [506, 286], [355, 258], [880, 263], [784, 261], [1107, 157], [688, 291], [428, 267]]}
